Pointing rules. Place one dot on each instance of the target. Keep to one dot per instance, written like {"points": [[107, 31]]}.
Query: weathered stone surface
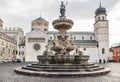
{"points": [[8, 75]]}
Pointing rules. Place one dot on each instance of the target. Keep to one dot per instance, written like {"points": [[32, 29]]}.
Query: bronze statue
{"points": [[62, 10]]}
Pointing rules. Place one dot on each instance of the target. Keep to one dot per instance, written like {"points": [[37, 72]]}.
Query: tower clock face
{"points": [[36, 46]]}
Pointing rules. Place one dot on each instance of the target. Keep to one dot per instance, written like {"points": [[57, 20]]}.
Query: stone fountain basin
{"points": [[56, 59], [62, 24], [81, 59], [43, 59], [63, 59]]}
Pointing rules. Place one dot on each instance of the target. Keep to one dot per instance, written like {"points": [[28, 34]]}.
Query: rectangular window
{"points": [[103, 50]]}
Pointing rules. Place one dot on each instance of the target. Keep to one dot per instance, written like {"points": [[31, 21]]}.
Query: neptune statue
{"points": [[62, 10]]}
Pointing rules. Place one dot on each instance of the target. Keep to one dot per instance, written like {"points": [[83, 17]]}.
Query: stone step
{"points": [[62, 66], [28, 68], [90, 64], [56, 67], [31, 72], [95, 69], [53, 70]]}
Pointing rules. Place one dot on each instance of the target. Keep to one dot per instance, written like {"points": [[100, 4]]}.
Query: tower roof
{"points": [[40, 19], [100, 10]]}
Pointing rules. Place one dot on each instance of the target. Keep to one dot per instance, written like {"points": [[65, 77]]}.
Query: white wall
{"points": [[30, 53]]}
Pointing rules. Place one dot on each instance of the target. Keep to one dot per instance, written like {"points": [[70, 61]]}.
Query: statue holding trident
{"points": [[62, 10]]}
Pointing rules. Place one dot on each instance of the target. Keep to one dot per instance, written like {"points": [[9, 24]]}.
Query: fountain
{"points": [[62, 63]]}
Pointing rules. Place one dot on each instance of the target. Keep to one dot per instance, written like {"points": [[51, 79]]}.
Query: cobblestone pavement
{"points": [[7, 74]]}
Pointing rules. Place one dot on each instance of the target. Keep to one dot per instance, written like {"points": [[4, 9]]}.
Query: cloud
{"points": [[76, 9], [114, 24], [20, 13]]}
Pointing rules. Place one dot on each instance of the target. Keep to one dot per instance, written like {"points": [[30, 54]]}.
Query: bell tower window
{"points": [[98, 18], [103, 50], [103, 18], [45, 24]]}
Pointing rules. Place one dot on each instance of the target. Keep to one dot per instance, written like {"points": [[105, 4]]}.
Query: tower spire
{"points": [[100, 5]]}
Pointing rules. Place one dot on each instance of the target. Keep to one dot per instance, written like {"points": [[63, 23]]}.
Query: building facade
{"points": [[95, 44], [84, 40], [1, 24], [115, 52], [36, 39], [101, 30], [13, 35], [8, 47]]}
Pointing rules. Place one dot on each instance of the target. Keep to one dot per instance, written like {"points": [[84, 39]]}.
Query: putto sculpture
{"points": [[57, 60]]}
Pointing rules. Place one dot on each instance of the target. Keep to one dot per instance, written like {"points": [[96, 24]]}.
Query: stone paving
{"points": [[7, 74]]}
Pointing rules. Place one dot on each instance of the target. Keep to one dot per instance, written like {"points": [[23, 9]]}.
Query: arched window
{"points": [[45, 24], [103, 18], [82, 38], [91, 38], [84, 49], [3, 50], [40, 23], [97, 45], [98, 18], [50, 38], [100, 61], [95, 19], [104, 61], [103, 50], [74, 38]]}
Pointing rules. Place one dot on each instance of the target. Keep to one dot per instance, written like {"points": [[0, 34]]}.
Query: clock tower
{"points": [[101, 30]]}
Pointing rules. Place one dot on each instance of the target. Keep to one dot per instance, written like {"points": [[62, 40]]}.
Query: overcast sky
{"points": [[20, 13]]}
